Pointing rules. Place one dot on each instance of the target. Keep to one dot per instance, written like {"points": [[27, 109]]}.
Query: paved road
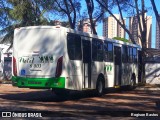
{"points": [[86, 105]]}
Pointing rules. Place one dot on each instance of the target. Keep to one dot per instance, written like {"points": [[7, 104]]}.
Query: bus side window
{"points": [[134, 55], [108, 52], [74, 47], [124, 54], [131, 54], [128, 51], [97, 50], [105, 51], [94, 50]]}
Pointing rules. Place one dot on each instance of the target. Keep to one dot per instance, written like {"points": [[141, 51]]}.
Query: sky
{"points": [[149, 13]]}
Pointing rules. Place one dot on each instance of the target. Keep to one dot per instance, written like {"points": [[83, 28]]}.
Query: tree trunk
{"points": [[156, 12], [143, 36], [90, 7]]}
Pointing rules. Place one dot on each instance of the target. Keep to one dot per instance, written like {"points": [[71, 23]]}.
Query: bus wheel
{"points": [[100, 86]]}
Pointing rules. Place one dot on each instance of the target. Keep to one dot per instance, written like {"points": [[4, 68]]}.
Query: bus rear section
{"points": [[38, 57]]}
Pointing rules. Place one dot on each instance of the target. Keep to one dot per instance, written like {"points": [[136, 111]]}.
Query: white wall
{"points": [[152, 73], [5, 62]]}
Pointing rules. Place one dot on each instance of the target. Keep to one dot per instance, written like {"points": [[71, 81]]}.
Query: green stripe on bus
{"points": [[39, 82]]}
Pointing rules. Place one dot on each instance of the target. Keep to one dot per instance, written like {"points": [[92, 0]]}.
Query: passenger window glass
{"points": [[124, 54], [108, 51], [97, 50], [74, 47], [131, 54], [134, 55]]}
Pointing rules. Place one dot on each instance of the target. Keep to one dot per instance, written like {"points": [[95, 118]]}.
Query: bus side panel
{"points": [[75, 73], [96, 70], [73, 68], [109, 74]]}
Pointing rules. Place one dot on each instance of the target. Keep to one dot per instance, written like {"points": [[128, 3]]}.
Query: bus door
{"points": [[118, 65], [86, 63]]}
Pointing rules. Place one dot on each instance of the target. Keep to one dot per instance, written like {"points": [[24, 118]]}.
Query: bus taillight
{"points": [[59, 67], [14, 67]]}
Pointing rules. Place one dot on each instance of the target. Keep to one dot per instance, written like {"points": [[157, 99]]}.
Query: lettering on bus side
{"points": [[26, 60], [108, 68], [46, 59], [43, 59]]}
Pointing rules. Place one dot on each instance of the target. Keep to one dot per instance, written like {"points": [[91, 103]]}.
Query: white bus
{"points": [[58, 58]]}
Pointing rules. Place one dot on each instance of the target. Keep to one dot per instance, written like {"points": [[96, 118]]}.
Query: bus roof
{"points": [[102, 38], [69, 30]]}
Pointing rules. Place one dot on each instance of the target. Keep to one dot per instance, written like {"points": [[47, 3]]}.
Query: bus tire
{"points": [[100, 86]]}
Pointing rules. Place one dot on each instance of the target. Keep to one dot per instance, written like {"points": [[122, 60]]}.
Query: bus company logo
{"points": [[43, 59], [46, 59], [26, 60], [108, 68], [6, 114]]}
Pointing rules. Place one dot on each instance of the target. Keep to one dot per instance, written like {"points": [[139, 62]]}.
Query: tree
{"points": [[90, 7], [5, 21], [139, 14], [156, 12], [143, 33], [18, 14], [105, 5], [4, 13], [68, 8], [27, 12], [94, 18]]}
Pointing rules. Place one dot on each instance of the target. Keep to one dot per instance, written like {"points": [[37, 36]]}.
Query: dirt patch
{"points": [[78, 104], [149, 85]]}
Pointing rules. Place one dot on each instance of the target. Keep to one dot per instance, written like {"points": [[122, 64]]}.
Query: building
{"points": [[157, 36], [57, 22], [111, 28], [134, 29], [85, 26], [149, 31]]}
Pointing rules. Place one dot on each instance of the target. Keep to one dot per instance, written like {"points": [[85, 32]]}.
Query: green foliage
{"points": [[21, 9], [121, 39], [4, 14], [19, 13], [68, 9]]}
